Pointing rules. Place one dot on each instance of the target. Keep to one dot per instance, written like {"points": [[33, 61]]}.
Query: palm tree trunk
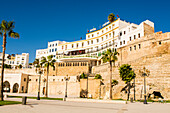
{"points": [[46, 94], [2, 71], [110, 80]]}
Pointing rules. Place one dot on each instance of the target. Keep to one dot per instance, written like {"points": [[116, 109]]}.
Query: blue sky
{"points": [[41, 21]]}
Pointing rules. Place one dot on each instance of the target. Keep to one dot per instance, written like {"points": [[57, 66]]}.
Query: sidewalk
{"points": [[95, 100]]}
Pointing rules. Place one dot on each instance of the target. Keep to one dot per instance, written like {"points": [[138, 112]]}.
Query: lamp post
{"points": [[144, 73], [66, 79], [39, 71], [134, 87]]}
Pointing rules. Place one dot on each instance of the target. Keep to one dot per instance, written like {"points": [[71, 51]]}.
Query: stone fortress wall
{"points": [[152, 52]]}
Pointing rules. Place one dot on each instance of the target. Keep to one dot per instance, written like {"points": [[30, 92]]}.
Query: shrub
{"points": [[83, 76], [98, 76]]}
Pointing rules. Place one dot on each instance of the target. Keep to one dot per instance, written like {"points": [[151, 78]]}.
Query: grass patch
{"points": [[46, 98], [119, 99], [9, 102], [167, 101]]}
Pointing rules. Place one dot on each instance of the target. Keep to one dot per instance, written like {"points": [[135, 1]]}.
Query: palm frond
{"points": [[11, 25], [4, 25], [13, 34], [49, 58], [111, 17], [110, 56], [43, 60]]}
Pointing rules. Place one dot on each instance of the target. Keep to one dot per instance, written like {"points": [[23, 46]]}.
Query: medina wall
{"points": [[154, 54], [56, 86]]}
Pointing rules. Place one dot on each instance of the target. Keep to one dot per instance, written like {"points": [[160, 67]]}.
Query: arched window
{"points": [[6, 86], [15, 88]]}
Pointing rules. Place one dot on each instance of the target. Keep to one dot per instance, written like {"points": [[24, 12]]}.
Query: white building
{"points": [[16, 60], [111, 35]]}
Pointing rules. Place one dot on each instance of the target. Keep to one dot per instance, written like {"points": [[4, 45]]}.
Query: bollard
{"points": [[24, 100], [131, 99]]}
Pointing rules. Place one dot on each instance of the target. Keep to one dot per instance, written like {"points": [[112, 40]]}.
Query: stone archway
{"points": [[6, 86], [15, 88]]}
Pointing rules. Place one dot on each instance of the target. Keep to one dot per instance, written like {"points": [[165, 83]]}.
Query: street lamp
{"points": [[66, 79], [144, 73], [134, 86], [39, 71]]}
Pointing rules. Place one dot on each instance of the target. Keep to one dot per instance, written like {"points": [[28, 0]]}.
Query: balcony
{"points": [[87, 54]]}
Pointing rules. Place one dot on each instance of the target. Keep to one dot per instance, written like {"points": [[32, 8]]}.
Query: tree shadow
{"points": [[125, 89]]}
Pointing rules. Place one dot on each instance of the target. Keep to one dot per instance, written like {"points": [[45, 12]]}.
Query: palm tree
{"points": [[6, 29], [49, 61], [110, 56], [111, 17], [36, 62]]}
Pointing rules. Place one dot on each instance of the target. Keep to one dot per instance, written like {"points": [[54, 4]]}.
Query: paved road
{"points": [[53, 106]]}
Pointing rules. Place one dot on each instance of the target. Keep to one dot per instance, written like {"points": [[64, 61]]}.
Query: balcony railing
{"points": [[87, 54]]}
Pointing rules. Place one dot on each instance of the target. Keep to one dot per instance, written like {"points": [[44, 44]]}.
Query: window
{"points": [[91, 41], [77, 45], [53, 45], [134, 36], [22, 88], [53, 80], [134, 47], [159, 42], [116, 45], [110, 35], [24, 79], [82, 44], [72, 45], [62, 47], [52, 50], [102, 38], [55, 49], [88, 42], [49, 50], [56, 44], [120, 42], [110, 27], [97, 40], [106, 29], [36, 80], [120, 33], [66, 47], [124, 32], [139, 46], [88, 36], [50, 45], [130, 48], [98, 33], [102, 31], [130, 38], [123, 41], [92, 35], [139, 35], [54, 56], [106, 36]]}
